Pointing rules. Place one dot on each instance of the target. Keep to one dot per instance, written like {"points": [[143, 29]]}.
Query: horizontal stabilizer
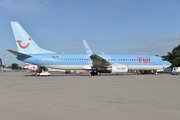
{"points": [[19, 54]]}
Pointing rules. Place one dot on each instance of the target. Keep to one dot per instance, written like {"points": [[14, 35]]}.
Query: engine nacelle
{"points": [[118, 68]]}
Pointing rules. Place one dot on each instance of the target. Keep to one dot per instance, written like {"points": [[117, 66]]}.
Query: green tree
{"points": [[14, 66], [174, 56], [176, 62]]}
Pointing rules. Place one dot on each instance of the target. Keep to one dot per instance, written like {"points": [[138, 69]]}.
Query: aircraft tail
{"points": [[1, 62], [24, 42]]}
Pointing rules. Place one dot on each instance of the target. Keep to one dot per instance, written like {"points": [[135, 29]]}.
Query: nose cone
{"points": [[168, 64]]}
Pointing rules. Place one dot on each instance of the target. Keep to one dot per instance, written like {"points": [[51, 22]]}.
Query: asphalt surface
{"points": [[24, 96]]}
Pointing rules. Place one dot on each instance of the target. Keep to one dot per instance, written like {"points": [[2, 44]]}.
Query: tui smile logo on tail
{"points": [[23, 46]]}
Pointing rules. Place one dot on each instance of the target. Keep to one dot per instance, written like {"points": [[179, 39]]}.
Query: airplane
{"points": [[34, 68], [1, 62], [89, 51], [31, 67], [3, 68], [29, 51]]}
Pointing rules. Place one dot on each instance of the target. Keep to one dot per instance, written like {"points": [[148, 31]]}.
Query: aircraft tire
{"points": [[98, 73]]}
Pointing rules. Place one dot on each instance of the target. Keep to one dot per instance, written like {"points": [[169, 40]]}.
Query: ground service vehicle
{"points": [[176, 71]]}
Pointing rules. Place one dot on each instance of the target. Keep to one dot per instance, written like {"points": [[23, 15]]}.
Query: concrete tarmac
{"points": [[24, 96]]}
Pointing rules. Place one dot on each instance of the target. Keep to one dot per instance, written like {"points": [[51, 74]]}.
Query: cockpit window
{"points": [[162, 59]]}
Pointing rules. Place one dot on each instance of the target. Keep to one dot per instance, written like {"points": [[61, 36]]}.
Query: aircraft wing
{"points": [[98, 61]]}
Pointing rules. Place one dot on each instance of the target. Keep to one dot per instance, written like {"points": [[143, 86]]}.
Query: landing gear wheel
{"points": [[98, 73]]}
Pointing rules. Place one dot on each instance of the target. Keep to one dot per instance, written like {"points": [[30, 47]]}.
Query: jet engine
{"points": [[118, 68]]}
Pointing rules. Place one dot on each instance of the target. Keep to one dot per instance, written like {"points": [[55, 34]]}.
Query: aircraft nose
{"points": [[168, 63]]}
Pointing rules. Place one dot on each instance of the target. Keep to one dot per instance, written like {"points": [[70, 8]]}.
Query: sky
{"points": [[109, 26]]}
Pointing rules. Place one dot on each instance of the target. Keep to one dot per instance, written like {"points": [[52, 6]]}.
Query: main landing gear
{"points": [[93, 73]]}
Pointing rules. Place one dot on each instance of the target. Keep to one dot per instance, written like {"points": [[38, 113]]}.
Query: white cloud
{"points": [[24, 5], [159, 46]]}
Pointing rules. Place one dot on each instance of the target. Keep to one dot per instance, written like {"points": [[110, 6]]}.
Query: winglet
{"points": [[94, 57], [87, 48]]}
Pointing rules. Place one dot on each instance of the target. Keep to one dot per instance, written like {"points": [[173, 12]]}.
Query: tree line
{"points": [[173, 57]]}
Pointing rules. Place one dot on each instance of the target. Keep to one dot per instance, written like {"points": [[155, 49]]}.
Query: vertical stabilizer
{"points": [[24, 42], [1, 63]]}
